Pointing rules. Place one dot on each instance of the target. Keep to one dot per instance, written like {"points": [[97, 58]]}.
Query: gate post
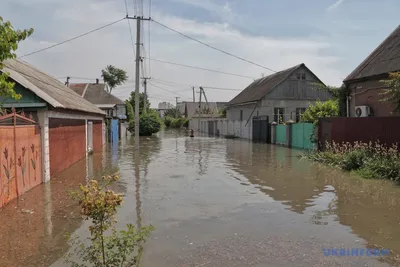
{"points": [[273, 132], [289, 132]]}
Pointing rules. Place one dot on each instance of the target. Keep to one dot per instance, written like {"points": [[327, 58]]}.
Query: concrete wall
{"points": [[223, 126]]}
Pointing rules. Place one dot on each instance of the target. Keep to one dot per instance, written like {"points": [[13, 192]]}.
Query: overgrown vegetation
{"points": [[369, 160], [392, 94], [176, 123], [150, 123], [339, 94], [141, 103], [320, 110], [172, 113], [9, 40], [99, 204]]}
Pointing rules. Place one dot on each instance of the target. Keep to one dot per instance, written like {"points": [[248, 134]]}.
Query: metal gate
{"points": [[114, 130], [261, 129]]}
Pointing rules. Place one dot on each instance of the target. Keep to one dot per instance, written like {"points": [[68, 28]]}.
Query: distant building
{"points": [[190, 109], [163, 107], [364, 82], [280, 96]]}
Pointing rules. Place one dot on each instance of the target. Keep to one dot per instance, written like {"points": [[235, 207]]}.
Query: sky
{"points": [[330, 36]]}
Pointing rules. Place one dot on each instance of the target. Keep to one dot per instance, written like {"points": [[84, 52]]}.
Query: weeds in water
{"points": [[119, 248], [369, 160]]}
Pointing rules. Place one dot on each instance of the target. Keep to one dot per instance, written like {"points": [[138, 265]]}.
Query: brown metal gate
{"points": [[20, 157]]}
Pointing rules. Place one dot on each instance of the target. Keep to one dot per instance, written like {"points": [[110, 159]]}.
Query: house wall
{"points": [[290, 94], [97, 135], [366, 93]]}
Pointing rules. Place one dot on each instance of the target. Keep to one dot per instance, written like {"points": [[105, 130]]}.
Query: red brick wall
{"points": [[97, 135], [67, 141]]}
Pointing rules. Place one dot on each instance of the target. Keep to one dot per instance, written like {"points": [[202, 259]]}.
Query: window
{"points": [[299, 111], [241, 115], [303, 76], [279, 116]]}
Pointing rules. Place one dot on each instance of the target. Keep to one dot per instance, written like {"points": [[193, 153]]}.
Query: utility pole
{"points": [[145, 94], [199, 109], [176, 106], [137, 78], [194, 98]]}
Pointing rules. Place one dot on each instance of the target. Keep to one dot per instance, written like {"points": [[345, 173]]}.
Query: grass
{"points": [[369, 160]]}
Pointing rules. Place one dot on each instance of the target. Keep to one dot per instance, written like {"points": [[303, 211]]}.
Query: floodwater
{"points": [[214, 202]]}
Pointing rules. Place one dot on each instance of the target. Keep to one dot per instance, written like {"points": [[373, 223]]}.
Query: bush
{"points": [[150, 123], [369, 160], [177, 122], [167, 121], [320, 110], [186, 123]]}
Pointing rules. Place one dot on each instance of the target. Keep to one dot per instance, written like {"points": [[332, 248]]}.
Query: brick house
{"points": [[364, 82], [70, 126]]}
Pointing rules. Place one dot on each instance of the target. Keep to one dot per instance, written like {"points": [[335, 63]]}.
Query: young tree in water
{"points": [[392, 94], [113, 77], [9, 39], [141, 101]]}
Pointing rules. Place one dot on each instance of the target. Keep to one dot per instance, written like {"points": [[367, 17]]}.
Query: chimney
{"points": [[97, 81], [67, 82]]}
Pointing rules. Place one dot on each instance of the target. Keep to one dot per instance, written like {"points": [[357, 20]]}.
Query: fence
{"points": [[223, 127], [383, 129], [296, 135], [20, 156]]}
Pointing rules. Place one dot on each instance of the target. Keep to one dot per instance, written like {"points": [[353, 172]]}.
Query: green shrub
{"points": [[369, 160], [320, 110], [177, 122], [186, 123], [167, 121], [150, 123]]}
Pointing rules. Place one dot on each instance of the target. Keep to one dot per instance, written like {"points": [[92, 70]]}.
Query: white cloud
{"points": [[86, 56], [335, 5]]}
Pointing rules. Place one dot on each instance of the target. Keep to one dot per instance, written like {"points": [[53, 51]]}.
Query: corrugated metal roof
{"points": [[384, 59], [48, 88], [259, 88], [95, 93]]}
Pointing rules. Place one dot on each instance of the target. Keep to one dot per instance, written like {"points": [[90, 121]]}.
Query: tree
{"points": [[9, 39], [113, 77], [320, 110], [173, 113], [150, 123], [141, 101], [392, 94], [338, 94]]}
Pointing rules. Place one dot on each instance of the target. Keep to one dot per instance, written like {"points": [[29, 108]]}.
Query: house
{"points": [[281, 96], [163, 107], [364, 82], [97, 94], [70, 126], [190, 109]]}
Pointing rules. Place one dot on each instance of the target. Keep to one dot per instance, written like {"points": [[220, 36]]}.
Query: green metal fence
{"points": [[281, 134], [301, 135]]}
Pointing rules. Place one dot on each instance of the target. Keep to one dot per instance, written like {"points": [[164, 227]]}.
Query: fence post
{"points": [[273, 132], [289, 132]]}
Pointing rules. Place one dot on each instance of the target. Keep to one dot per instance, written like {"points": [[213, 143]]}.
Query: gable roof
{"points": [[95, 93], [48, 88], [259, 88], [384, 59]]}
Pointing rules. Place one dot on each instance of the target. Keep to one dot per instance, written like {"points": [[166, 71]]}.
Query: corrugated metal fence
{"points": [[339, 130]]}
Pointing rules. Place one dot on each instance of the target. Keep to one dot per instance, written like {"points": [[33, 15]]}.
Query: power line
{"points": [[166, 89], [181, 84], [71, 39], [200, 68], [219, 88], [212, 47], [130, 29]]}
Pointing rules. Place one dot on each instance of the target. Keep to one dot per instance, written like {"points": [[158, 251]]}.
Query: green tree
{"points": [[141, 101], [150, 123], [392, 94], [320, 110], [9, 39], [173, 113], [338, 94], [113, 77]]}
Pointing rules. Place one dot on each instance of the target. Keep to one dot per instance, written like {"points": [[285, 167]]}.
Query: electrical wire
{"points": [[200, 68], [212, 47], [181, 84], [72, 39], [165, 89], [130, 29], [149, 28]]}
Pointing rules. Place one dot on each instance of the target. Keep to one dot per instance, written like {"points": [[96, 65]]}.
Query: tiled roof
{"points": [[384, 59], [95, 93], [48, 88]]}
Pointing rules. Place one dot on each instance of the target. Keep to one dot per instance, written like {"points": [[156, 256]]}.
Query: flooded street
{"points": [[214, 202]]}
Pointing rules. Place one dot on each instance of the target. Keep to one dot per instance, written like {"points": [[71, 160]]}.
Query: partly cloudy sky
{"points": [[330, 36]]}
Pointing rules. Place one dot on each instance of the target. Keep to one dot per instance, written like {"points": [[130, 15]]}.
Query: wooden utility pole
{"points": [[194, 97], [199, 109], [176, 106], [137, 78]]}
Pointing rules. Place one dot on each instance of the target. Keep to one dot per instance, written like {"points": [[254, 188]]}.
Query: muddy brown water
{"points": [[214, 202]]}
